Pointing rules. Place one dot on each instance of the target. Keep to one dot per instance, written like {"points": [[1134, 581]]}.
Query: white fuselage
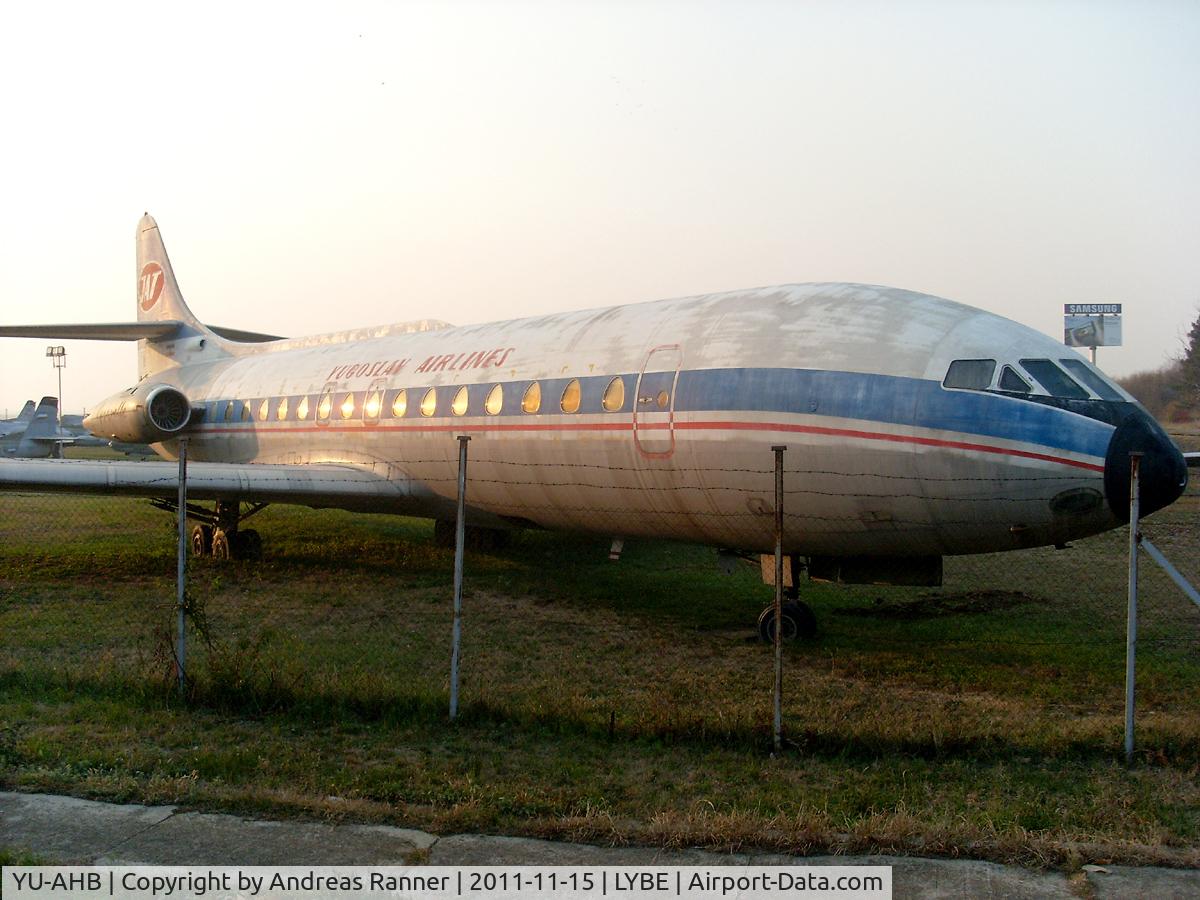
{"points": [[881, 459]]}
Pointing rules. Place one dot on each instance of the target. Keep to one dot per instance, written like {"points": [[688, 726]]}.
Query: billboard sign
{"points": [[1092, 324]]}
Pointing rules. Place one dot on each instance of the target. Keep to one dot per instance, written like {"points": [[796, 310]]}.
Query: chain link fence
{"points": [[80, 555]]}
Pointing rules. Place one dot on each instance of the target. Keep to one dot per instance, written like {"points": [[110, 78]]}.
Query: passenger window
{"points": [[1011, 381], [970, 374], [570, 397], [302, 409], [663, 399], [614, 395], [281, 410], [429, 403], [264, 410], [400, 405], [325, 406], [245, 410], [1099, 386], [347, 406], [373, 405], [1056, 382], [459, 406], [532, 401], [495, 400], [229, 411]]}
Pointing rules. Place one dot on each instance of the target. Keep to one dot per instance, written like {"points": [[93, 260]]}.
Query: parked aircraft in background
{"points": [[40, 437], [18, 424], [915, 427]]}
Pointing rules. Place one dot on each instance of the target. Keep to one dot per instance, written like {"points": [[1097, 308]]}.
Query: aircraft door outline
{"points": [[654, 401]]}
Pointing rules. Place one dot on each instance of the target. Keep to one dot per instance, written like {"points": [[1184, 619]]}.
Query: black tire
{"points": [[443, 533], [202, 536], [799, 623], [247, 545]]}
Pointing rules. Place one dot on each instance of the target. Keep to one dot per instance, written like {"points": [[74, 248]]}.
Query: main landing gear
{"points": [[218, 532]]}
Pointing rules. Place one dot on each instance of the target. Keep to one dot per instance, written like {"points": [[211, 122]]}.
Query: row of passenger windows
{"points": [[980, 375], [372, 404]]}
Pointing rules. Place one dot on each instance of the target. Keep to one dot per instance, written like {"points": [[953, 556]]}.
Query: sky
{"points": [[317, 167]]}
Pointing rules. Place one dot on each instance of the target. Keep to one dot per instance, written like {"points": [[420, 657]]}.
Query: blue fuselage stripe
{"points": [[869, 398]]}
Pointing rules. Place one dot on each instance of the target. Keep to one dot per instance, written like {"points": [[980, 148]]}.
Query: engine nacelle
{"points": [[145, 414]]}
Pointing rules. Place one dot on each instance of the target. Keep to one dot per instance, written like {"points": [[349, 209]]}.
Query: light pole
{"points": [[58, 355]]}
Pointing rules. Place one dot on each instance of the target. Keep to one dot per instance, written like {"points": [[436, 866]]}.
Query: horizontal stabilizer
{"points": [[1193, 460], [244, 337], [106, 331]]}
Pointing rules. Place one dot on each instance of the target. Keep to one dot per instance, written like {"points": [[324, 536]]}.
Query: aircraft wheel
{"points": [[798, 622], [202, 538], [247, 544], [221, 546]]}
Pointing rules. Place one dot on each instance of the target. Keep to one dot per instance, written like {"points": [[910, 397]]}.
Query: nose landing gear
{"points": [[797, 619]]}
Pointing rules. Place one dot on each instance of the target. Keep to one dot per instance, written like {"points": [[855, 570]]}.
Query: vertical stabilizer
{"points": [[159, 298], [26, 413], [38, 441], [158, 294]]}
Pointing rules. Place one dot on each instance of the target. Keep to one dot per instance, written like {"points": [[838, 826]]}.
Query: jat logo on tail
{"points": [[150, 285]]}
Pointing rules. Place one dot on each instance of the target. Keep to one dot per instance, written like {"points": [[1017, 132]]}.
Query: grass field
{"points": [[612, 703]]}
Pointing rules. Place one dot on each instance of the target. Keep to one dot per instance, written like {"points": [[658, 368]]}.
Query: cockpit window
{"points": [[970, 374], [1056, 382], [1099, 386], [1011, 381]]}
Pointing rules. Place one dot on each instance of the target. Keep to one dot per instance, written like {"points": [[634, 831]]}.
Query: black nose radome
{"points": [[1162, 473]]}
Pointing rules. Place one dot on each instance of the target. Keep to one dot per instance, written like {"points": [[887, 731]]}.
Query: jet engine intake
{"points": [[145, 414]]}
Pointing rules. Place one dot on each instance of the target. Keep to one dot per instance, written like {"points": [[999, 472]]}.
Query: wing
{"points": [[366, 488]]}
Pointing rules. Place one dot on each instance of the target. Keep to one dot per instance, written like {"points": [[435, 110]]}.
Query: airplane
{"points": [[915, 427], [20, 422], [40, 437]]}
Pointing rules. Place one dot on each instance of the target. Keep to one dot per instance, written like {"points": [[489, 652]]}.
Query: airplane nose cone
{"points": [[1162, 474]]}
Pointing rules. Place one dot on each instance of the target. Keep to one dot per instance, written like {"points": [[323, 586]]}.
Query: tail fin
{"points": [[159, 299], [158, 294], [26, 413], [41, 437]]}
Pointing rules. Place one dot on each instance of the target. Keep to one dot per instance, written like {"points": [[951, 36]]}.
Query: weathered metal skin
{"points": [[881, 458]]}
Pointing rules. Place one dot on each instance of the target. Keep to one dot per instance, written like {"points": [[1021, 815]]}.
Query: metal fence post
{"points": [[1135, 460], [181, 567], [460, 533], [778, 730]]}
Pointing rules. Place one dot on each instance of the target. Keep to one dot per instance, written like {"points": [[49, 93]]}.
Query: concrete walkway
{"points": [[71, 831]]}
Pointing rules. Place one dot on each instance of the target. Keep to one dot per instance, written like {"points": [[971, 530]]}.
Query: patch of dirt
{"points": [[927, 606]]}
